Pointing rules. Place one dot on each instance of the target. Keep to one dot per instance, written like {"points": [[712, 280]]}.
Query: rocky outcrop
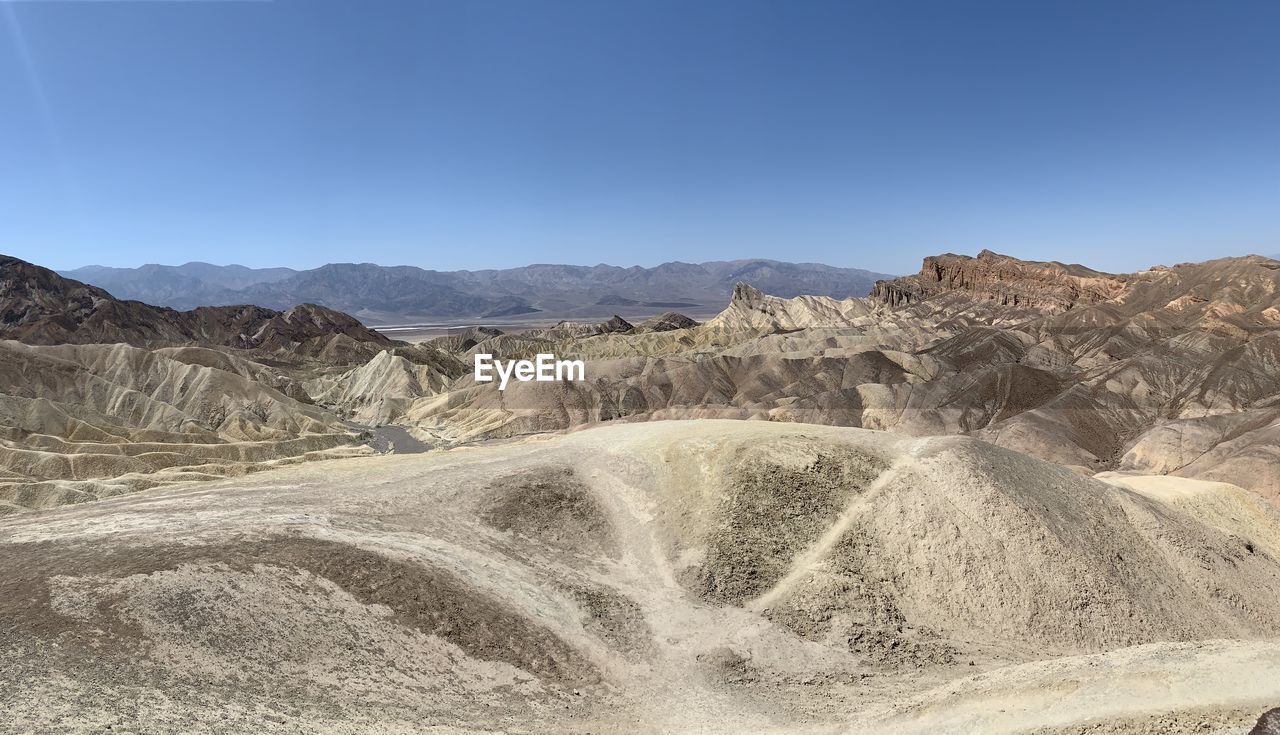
{"points": [[1002, 279], [38, 306], [568, 329], [1268, 723], [752, 310], [308, 322], [461, 340], [380, 391], [667, 322]]}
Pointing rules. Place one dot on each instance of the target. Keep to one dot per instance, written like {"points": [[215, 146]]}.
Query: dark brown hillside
{"points": [[37, 306]]}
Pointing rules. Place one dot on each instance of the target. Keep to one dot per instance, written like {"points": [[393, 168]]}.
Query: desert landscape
{"points": [[994, 496], [654, 367]]}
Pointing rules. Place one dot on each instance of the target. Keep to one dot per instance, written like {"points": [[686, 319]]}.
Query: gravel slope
{"points": [[696, 576]]}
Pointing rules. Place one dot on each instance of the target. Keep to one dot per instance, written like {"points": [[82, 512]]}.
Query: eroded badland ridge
{"points": [[1067, 521], [1168, 371]]}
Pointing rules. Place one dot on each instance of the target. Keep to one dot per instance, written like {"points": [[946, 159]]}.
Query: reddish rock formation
{"points": [[1005, 280]]}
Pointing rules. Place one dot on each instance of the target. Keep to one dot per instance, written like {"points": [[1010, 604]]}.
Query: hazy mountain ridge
{"points": [[183, 286], [382, 294]]}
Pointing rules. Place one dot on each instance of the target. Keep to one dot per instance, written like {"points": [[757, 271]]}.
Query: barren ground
{"points": [[699, 576]]}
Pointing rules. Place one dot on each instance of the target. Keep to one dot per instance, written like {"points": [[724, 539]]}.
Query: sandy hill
{"points": [[688, 576]]}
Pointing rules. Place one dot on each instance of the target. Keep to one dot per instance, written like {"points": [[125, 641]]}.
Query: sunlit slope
{"points": [[695, 575]]}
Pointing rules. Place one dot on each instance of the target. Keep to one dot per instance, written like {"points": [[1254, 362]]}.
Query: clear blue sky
{"points": [[475, 134]]}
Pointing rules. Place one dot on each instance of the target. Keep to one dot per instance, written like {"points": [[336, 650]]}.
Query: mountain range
{"points": [[398, 294]]}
